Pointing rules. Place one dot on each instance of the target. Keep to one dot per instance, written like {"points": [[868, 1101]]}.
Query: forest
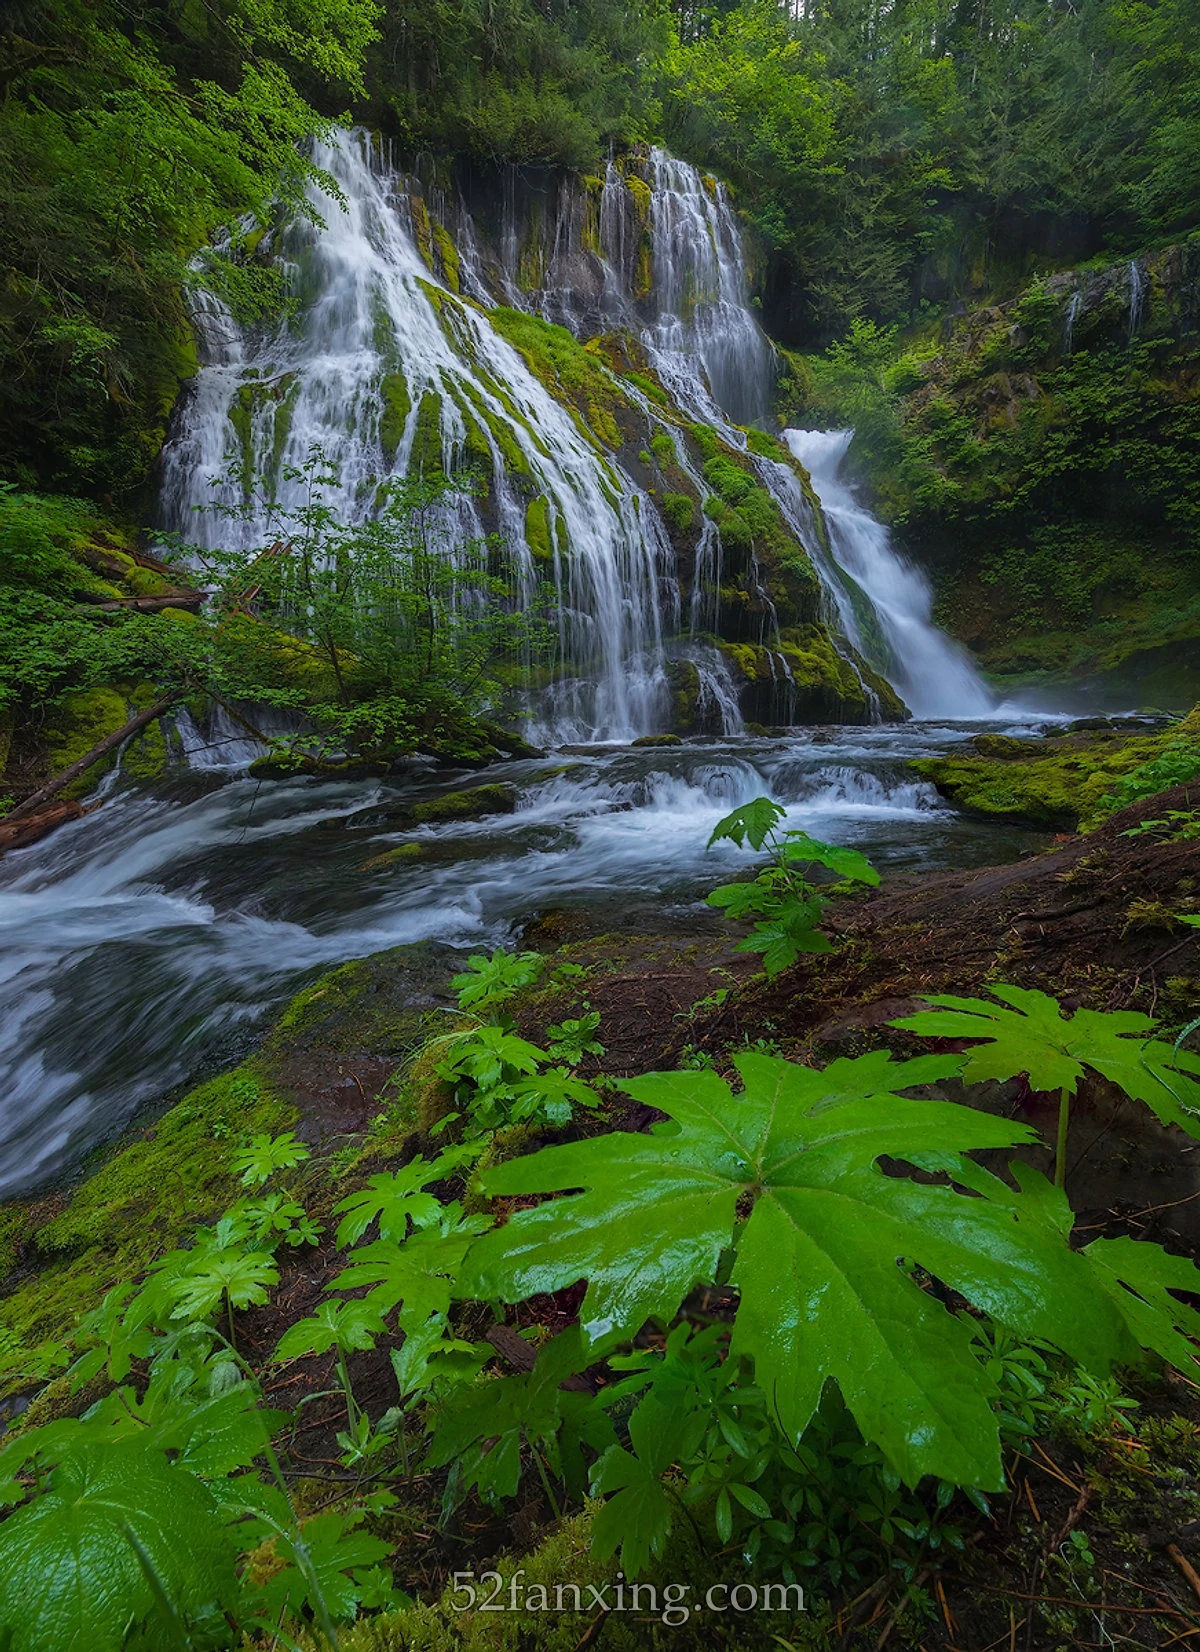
{"points": [[599, 825]]}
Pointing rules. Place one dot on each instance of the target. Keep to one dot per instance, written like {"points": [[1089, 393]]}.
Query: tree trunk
{"points": [[110, 742]]}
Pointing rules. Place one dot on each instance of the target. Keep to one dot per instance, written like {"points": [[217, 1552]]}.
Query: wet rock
{"points": [[658, 740]]}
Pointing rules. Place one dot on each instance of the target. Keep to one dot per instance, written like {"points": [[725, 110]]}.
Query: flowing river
{"points": [[145, 944]]}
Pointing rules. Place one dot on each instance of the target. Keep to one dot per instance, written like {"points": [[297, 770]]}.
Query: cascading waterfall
{"points": [[380, 349], [709, 351], [373, 326], [934, 677]]}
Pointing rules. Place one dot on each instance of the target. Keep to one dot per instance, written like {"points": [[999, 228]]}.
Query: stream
{"points": [[143, 946]]}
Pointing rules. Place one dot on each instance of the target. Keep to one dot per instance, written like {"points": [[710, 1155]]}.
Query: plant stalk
{"points": [[1060, 1152]]}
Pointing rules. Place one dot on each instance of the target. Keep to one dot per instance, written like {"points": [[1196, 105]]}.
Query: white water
{"points": [[366, 310], [146, 941], [931, 673], [369, 307]]}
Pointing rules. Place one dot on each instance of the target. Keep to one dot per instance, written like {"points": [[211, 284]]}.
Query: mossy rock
{"points": [[1055, 783], [505, 740], [286, 766], [165, 1179], [476, 803], [657, 740], [78, 722], [447, 256], [1004, 745], [393, 419], [404, 854]]}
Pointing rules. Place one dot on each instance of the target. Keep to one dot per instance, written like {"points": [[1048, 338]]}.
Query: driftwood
{"points": [[37, 800], [16, 834]]}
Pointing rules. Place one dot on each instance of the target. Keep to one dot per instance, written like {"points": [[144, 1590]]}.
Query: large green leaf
{"points": [[818, 1259], [1139, 1278], [1033, 1036], [71, 1575]]}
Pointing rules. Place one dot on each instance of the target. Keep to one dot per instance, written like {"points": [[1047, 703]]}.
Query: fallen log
{"points": [[142, 605], [34, 802], [17, 834]]}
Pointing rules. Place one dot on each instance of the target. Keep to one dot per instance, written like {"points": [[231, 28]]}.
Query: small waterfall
{"points": [[1071, 315], [930, 672], [703, 318], [1137, 297]]}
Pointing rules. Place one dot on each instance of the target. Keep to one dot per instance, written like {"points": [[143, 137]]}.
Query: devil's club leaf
{"points": [[1034, 1037], [751, 823], [822, 1291], [1156, 1318], [847, 863], [70, 1573]]}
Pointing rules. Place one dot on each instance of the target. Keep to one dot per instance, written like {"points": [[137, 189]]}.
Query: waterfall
{"points": [[932, 674], [375, 334], [390, 348], [1137, 297], [709, 351], [1071, 315]]}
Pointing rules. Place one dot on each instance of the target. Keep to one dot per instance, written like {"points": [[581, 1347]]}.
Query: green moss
{"points": [[146, 758], [662, 445], [554, 355], [397, 405], [144, 1199], [425, 458], [602, 423], [475, 803], [641, 195], [403, 853], [422, 228], [1053, 783], [679, 510], [78, 722], [658, 740], [447, 256], [537, 529], [513, 456]]}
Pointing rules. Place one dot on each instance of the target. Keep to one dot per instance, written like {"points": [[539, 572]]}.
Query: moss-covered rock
{"points": [[77, 723], [476, 803], [393, 418], [657, 740], [147, 1196], [1056, 783], [807, 678]]}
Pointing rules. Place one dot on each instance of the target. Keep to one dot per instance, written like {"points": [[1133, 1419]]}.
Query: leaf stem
{"points": [[1060, 1152]]}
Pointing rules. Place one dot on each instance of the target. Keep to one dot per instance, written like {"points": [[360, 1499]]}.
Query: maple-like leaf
{"points": [[396, 1197], [74, 1561], [818, 1256], [751, 823], [1031, 1035]]}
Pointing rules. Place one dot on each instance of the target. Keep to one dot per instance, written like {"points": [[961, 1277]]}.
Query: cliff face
{"points": [[1041, 461], [577, 354]]}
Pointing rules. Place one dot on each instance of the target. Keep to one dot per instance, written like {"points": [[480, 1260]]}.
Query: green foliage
{"points": [[498, 1081], [1031, 1035], [1176, 766], [786, 905], [570, 1040], [265, 1155], [124, 145], [487, 983], [141, 1541], [800, 1150]]}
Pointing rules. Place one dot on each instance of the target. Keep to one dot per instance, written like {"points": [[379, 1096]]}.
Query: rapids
{"points": [[144, 945]]}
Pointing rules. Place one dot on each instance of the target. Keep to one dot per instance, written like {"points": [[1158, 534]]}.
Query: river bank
{"points": [[1092, 920]]}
